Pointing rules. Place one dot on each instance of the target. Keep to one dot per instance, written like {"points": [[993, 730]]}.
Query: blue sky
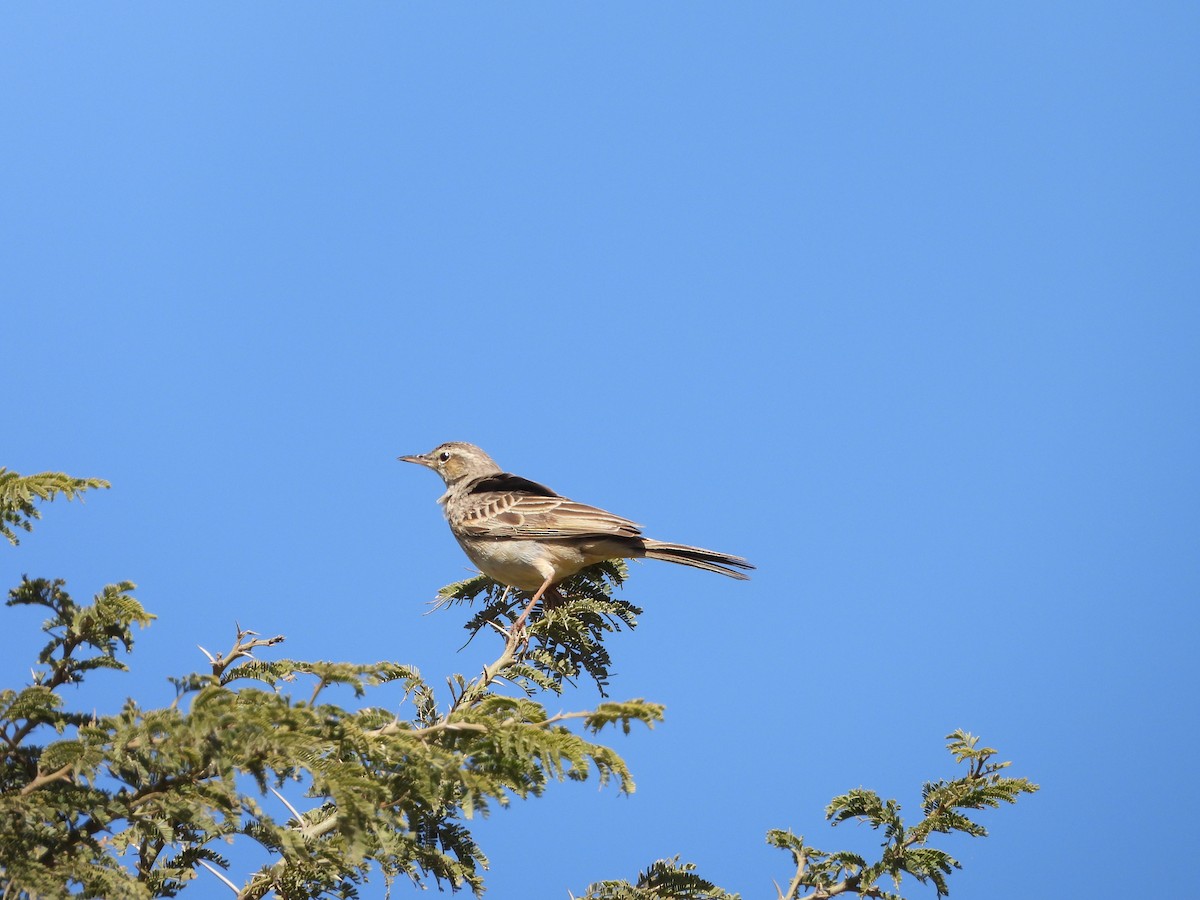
{"points": [[899, 301]]}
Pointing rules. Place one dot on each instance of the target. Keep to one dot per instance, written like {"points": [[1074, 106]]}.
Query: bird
{"points": [[522, 534]]}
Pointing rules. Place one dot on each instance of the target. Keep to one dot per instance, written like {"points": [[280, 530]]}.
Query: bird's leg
{"points": [[532, 603]]}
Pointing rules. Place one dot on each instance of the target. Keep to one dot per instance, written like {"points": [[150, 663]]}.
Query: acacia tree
{"points": [[138, 803]]}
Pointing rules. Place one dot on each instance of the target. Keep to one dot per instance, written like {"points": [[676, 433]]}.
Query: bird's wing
{"points": [[509, 506]]}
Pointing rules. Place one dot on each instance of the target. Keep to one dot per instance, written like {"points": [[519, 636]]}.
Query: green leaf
{"points": [[18, 494]]}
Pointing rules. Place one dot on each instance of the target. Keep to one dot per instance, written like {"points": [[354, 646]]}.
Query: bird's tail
{"points": [[710, 560]]}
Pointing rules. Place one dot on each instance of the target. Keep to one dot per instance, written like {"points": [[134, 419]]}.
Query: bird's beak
{"points": [[419, 460]]}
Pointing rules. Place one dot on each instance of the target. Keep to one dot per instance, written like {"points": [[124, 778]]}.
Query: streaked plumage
{"points": [[523, 534]]}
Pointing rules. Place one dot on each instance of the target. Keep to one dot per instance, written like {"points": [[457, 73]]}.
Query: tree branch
{"points": [[242, 649], [63, 774], [514, 638], [793, 890]]}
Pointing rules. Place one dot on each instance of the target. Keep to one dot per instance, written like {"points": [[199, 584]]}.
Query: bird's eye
{"points": [[444, 456]]}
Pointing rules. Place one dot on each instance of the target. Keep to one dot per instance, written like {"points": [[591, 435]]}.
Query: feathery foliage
{"points": [[823, 874], [18, 493], [666, 879], [132, 804]]}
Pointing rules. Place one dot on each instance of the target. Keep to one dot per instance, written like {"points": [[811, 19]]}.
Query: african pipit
{"points": [[523, 534]]}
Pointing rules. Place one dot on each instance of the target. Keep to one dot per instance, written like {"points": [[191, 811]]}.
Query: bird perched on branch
{"points": [[523, 534]]}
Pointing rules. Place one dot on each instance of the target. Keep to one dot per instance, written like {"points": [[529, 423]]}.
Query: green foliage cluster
{"points": [[666, 879], [18, 493], [905, 849], [820, 874], [566, 639], [141, 802]]}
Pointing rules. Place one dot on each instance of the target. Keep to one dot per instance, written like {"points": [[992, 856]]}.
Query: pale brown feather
{"points": [[524, 516]]}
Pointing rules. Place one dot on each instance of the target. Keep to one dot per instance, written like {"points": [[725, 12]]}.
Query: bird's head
{"points": [[456, 461]]}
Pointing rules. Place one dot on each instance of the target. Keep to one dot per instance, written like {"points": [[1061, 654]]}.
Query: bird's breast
{"points": [[522, 564]]}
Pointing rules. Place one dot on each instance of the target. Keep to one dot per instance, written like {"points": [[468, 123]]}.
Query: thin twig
{"points": [[321, 685]]}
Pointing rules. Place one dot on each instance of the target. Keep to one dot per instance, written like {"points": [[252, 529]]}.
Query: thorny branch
{"points": [[242, 649]]}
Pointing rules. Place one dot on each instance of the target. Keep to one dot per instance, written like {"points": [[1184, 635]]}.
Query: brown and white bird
{"points": [[523, 534]]}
